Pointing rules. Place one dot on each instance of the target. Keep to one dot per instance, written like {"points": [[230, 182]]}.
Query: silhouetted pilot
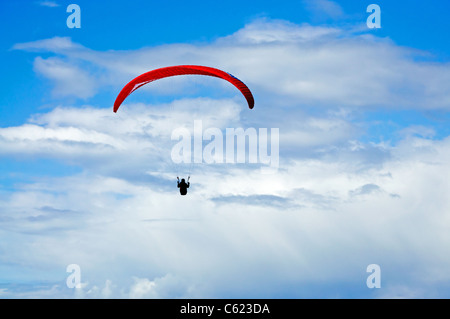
{"points": [[183, 186]]}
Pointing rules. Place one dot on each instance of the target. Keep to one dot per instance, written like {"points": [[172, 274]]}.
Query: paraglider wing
{"points": [[157, 74]]}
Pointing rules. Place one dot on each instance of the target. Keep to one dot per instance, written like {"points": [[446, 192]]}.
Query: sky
{"points": [[361, 176]]}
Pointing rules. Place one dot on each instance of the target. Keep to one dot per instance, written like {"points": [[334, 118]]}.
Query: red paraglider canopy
{"points": [[160, 73]]}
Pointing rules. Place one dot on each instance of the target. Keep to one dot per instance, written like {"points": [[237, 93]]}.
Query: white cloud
{"points": [[335, 205], [56, 44], [324, 8], [135, 131], [50, 4], [278, 32], [143, 288], [214, 248], [286, 228], [69, 80], [280, 61]]}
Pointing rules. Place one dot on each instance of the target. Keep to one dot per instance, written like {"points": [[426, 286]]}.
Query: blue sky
{"points": [[363, 121]]}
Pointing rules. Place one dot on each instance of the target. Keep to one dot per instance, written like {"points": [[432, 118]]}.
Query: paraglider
{"points": [[183, 186], [170, 71]]}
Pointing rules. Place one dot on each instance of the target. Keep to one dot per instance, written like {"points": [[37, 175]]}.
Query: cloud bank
{"points": [[337, 204], [279, 60]]}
